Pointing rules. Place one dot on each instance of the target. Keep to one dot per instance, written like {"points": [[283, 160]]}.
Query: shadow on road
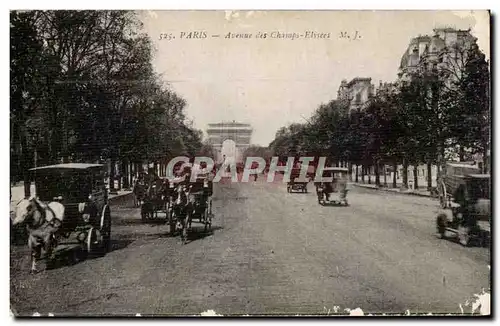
{"points": [[198, 233], [18, 236], [332, 204], [482, 240], [74, 254], [138, 221]]}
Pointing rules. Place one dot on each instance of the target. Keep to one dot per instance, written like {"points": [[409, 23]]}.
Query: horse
{"points": [[42, 223], [180, 209]]}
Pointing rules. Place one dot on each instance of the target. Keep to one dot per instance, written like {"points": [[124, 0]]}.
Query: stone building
{"points": [[445, 50], [357, 92]]}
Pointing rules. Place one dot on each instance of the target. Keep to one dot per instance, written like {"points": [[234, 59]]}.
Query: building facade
{"points": [[445, 50], [356, 93]]}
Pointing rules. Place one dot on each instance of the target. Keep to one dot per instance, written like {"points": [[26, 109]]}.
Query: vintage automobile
{"points": [[338, 185], [294, 184], [81, 189], [471, 204], [450, 178]]}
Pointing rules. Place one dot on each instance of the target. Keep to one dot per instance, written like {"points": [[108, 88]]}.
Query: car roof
{"points": [[478, 176], [68, 166], [337, 169]]}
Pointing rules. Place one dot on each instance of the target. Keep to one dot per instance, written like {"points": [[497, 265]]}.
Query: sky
{"points": [[270, 83]]}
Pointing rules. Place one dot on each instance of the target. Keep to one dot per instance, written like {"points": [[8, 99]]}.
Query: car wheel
{"points": [[464, 235], [441, 222]]}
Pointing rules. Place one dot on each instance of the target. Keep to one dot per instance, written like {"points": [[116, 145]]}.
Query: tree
{"points": [[83, 89], [470, 123], [27, 91]]}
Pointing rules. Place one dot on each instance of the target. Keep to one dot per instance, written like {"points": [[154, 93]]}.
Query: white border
{"points": [[179, 4]]}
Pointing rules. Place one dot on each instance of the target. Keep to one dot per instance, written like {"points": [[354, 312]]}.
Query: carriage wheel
{"points": [[93, 241], [106, 229], [443, 196]]}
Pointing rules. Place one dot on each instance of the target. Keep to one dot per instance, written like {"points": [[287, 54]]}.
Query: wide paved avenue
{"points": [[269, 252]]}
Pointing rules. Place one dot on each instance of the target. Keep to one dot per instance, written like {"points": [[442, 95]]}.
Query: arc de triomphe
{"points": [[240, 133]]}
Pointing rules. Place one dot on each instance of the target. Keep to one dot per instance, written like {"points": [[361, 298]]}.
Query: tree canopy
{"points": [[83, 88]]}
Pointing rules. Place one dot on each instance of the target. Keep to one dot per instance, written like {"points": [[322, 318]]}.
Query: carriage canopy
{"points": [[74, 181]]}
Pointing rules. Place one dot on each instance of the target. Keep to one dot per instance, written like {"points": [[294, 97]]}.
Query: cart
{"points": [[338, 186], [294, 184], [450, 178], [190, 202], [471, 204], [155, 201], [81, 189]]}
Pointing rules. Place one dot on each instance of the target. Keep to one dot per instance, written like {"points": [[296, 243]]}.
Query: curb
{"points": [[395, 192], [120, 199]]}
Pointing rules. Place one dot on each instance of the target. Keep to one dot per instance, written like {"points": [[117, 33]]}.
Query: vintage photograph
{"points": [[170, 163]]}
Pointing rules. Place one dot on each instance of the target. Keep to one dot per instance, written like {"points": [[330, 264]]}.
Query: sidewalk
{"points": [[416, 192]]}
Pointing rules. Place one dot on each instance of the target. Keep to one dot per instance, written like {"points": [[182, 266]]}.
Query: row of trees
{"points": [[426, 119], [83, 89]]}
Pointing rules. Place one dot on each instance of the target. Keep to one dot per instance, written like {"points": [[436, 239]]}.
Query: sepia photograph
{"points": [[174, 163]]}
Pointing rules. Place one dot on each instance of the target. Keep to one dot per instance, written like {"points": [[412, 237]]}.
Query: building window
{"points": [[358, 98]]}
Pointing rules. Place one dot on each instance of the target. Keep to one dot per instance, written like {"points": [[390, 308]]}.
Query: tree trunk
{"points": [[369, 174], [486, 160], [377, 174], [357, 174], [429, 176], [363, 173], [125, 174], [25, 164], [130, 174], [349, 167], [461, 153], [415, 176], [385, 175], [112, 174], [405, 174], [395, 174], [119, 174]]}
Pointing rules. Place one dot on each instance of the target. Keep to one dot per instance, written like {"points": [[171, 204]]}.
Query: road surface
{"points": [[270, 253]]}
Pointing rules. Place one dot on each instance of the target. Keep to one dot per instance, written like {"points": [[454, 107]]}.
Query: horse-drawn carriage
{"points": [[338, 185], [70, 199], [155, 199], [190, 201]]}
